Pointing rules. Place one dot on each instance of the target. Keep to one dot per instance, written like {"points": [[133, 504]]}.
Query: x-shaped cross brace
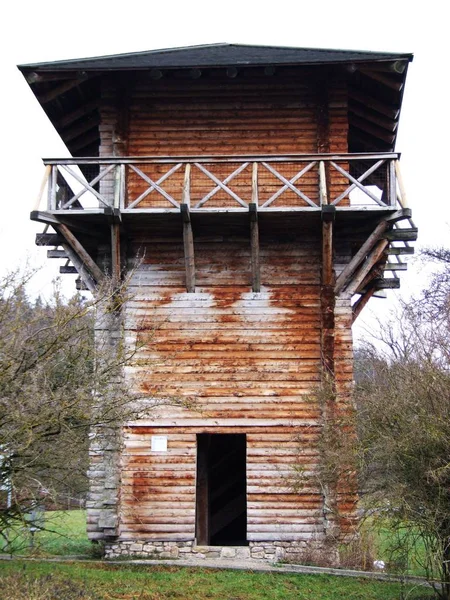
{"points": [[289, 184], [221, 185], [154, 185], [87, 186]]}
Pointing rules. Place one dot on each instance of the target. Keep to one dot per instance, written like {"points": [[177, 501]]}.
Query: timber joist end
{"points": [[328, 213], [185, 213], [113, 215], [253, 211], [364, 273]]}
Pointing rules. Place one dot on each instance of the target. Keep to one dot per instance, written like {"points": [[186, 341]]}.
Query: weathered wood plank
{"points": [[79, 250], [254, 245], [351, 267]]}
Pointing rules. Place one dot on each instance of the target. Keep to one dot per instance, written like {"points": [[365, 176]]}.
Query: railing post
{"points": [[188, 237], [186, 194], [322, 184], [392, 184], [117, 186], [52, 188], [255, 184], [122, 186]]}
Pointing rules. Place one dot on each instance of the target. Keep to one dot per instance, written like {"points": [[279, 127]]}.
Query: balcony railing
{"points": [[223, 183]]}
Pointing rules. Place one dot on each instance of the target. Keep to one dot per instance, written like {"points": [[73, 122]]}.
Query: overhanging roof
{"points": [[69, 91], [216, 55]]}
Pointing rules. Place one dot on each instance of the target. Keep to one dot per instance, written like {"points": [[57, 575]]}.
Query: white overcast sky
{"points": [[52, 30]]}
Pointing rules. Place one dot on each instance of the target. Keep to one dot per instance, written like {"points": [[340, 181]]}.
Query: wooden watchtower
{"points": [[255, 192]]}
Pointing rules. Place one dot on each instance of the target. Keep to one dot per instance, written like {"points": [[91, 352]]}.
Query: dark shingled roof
{"points": [[216, 55]]}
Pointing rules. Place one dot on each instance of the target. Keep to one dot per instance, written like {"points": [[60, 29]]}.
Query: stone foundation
{"points": [[269, 551]]}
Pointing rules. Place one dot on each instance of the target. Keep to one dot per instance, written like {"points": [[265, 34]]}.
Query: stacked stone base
{"points": [[269, 551]]}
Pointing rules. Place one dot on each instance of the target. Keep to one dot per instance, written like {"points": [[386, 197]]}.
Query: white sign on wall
{"points": [[159, 443]]}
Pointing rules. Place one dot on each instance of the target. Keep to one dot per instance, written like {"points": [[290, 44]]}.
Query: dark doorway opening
{"points": [[221, 512]]}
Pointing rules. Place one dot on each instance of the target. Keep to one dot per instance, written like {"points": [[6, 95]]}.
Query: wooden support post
{"points": [[188, 238], [348, 271], [116, 268], [327, 253], [254, 245], [84, 257], [369, 263], [376, 272], [328, 216], [361, 302], [327, 311], [327, 295], [188, 242], [87, 278]]}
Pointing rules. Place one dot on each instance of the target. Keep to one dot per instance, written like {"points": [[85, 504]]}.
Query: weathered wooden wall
{"points": [[226, 360], [293, 114], [223, 359]]}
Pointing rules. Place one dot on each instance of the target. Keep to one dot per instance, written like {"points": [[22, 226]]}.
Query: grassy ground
{"points": [[396, 549], [65, 534], [20, 580]]}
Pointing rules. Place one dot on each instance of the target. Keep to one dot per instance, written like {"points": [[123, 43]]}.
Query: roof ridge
{"points": [[282, 55]]}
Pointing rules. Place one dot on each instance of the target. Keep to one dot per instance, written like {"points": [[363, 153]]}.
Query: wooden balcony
{"points": [[221, 184], [357, 200]]}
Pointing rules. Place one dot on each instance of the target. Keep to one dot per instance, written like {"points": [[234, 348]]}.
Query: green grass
{"points": [[401, 551], [65, 534], [21, 580]]}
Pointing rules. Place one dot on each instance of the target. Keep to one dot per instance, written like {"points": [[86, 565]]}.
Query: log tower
{"points": [[252, 196]]}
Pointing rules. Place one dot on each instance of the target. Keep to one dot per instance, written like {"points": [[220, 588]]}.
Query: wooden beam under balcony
{"points": [[328, 217], [374, 237], [86, 277], [400, 250], [254, 247], [188, 236], [79, 251], [188, 244], [361, 303]]}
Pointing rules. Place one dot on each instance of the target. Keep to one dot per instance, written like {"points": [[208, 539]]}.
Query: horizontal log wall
{"points": [[223, 359], [235, 353], [158, 489], [226, 360], [223, 116]]}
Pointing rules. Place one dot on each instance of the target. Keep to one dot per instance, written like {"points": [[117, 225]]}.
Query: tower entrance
{"points": [[221, 508]]}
